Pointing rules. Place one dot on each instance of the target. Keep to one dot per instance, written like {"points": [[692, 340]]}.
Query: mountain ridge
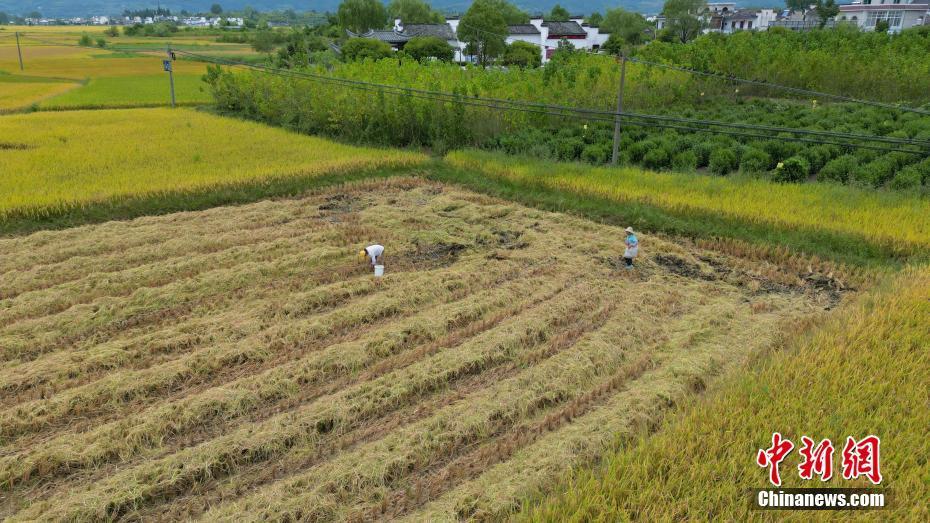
{"points": [[72, 8]]}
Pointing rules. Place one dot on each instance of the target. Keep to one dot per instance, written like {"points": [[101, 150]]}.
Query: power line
{"points": [[781, 87], [572, 112], [590, 113], [659, 121], [787, 88]]}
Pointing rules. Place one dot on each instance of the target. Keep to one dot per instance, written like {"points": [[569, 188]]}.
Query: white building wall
{"points": [[913, 15]]}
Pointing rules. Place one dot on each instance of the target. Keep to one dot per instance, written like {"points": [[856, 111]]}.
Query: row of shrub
{"points": [[778, 158], [369, 116]]}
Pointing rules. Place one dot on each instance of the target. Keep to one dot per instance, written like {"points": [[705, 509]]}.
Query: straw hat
{"points": [[629, 230]]}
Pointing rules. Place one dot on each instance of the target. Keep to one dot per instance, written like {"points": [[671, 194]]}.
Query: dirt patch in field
{"points": [[286, 381], [10, 146], [427, 255], [683, 267], [342, 203]]}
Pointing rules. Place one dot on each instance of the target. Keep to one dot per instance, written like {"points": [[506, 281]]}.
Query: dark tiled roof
{"points": [[565, 29], [522, 29], [385, 35], [742, 15], [443, 31]]}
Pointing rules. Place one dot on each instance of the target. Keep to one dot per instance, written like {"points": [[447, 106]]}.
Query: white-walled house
{"points": [[724, 17], [743, 20], [900, 14], [545, 35]]}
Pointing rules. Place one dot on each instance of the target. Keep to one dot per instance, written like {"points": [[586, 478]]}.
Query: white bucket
{"points": [[379, 270]]}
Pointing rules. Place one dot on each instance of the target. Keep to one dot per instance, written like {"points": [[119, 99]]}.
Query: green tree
{"points": [[425, 47], [522, 54], [511, 13], [362, 48], [264, 41], [101, 43], [483, 29], [594, 19], [85, 40], [614, 45], [359, 16], [111, 31], [797, 5], [414, 12], [216, 9], [881, 26], [682, 18], [297, 49], [826, 9], [628, 26], [558, 14]]}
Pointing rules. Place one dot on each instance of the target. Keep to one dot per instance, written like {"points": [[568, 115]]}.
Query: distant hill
{"points": [[68, 8]]}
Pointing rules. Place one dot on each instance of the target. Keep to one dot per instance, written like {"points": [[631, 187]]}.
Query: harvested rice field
{"points": [[242, 363]]}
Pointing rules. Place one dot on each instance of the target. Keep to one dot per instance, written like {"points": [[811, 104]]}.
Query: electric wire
{"points": [[577, 113]]}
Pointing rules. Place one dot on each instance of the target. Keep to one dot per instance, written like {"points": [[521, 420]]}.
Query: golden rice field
{"points": [[864, 371], [241, 363], [896, 222], [94, 77], [63, 160]]}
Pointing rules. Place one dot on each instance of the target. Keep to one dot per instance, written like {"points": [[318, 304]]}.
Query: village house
{"points": [[725, 17], [393, 37], [545, 35], [900, 14]]}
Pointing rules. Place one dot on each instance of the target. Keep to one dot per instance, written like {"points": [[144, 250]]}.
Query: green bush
{"points": [[639, 149], [780, 150], [754, 160], [879, 171], [656, 159], [522, 54], [907, 178], [429, 47], [723, 161], [265, 41], [924, 169], [685, 161], [596, 154], [357, 49], [568, 149], [819, 155], [85, 40], [794, 169], [702, 152], [839, 169]]}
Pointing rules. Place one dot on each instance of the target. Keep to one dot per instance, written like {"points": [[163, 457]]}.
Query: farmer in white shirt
{"points": [[632, 247], [375, 252]]}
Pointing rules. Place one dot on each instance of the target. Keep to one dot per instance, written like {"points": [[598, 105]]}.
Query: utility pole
{"points": [[170, 69], [19, 51], [613, 159]]}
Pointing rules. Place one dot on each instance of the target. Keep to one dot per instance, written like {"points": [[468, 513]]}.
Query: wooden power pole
{"points": [[613, 159]]}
